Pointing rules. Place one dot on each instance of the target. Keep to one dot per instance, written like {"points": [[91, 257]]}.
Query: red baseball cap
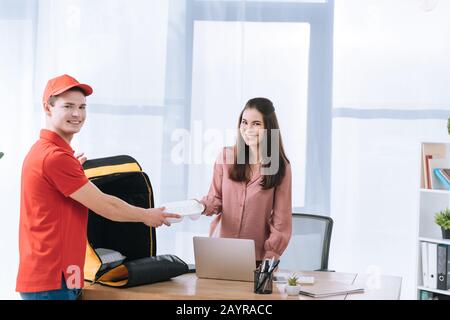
{"points": [[63, 83]]}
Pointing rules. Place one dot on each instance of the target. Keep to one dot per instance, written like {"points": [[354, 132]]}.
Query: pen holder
{"points": [[263, 282]]}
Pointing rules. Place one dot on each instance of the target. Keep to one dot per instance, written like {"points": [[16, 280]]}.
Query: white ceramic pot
{"points": [[292, 290]]}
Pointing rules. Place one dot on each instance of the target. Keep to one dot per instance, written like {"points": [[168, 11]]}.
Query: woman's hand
{"points": [[204, 207]]}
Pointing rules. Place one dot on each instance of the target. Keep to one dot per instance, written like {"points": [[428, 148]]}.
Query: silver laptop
{"points": [[224, 258]]}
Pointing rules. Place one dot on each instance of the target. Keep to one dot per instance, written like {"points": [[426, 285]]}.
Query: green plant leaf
{"points": [[293, 280], [442, 218]]}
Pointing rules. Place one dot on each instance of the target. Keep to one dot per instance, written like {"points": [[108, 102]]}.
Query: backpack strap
{"points": [[110, 165]]}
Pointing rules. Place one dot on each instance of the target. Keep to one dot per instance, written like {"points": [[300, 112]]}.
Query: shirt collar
{"points": [[56, 139]]}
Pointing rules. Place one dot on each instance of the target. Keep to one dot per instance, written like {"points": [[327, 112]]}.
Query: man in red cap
{"points": [[55, 197]]}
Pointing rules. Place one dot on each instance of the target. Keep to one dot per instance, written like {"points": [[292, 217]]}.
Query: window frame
{"points": [[320, 16]]}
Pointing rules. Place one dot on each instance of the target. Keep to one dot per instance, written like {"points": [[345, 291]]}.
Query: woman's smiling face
{"points": [[251, 127]]}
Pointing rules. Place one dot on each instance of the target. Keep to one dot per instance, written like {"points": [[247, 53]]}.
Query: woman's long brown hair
{"points": [[241, 171]]}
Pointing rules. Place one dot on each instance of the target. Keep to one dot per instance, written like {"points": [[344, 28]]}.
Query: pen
{"points": [[268, 273], [262, 269], [272, 260], [268, 267], [275, 265]]}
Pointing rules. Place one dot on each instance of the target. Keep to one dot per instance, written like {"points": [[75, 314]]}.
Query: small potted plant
{"points": [[1, 155], [293, 286], [442, 218], [448, 125]]}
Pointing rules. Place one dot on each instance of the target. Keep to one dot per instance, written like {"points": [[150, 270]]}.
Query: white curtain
{"points": [[18, 123], [391, 69]]}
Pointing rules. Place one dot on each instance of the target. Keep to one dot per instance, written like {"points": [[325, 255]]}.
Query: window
{"points": [[292, 40], [235, 61]]}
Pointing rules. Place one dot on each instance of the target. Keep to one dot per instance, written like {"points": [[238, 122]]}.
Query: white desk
{"points": [[188, 286]]}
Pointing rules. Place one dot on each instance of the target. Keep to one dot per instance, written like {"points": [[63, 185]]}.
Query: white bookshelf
{"points": [[435, 191], [447, 293], [439, 241], [431, 202]]}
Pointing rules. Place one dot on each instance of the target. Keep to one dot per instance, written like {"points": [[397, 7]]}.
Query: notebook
{"points": [[329, 289]]}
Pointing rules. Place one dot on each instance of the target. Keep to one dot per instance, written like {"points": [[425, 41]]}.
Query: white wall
{"points": [[390, 69]]}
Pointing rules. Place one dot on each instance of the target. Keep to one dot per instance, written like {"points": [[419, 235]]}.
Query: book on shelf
{"points": [[430, 151], [432, 265], [436, 182], [443, 267], [424, 246], [446, 173], [435, 265], [428, 157], [427, 295], [442, 180]]}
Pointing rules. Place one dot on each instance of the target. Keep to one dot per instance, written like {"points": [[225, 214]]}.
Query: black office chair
{"points": [[309, 247]]}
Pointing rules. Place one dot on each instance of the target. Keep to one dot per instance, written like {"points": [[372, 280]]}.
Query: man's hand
{"points": [[157, 217], [80, 157]]}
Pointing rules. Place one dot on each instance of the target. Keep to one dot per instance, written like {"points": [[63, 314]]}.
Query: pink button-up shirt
{"points": [[247, 211]]}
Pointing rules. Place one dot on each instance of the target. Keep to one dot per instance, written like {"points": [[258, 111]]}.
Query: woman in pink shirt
{"points": [[251, 189]]}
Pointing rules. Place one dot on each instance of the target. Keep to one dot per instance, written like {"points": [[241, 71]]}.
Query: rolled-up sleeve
{"points": [[213, 200], [280, 223]]}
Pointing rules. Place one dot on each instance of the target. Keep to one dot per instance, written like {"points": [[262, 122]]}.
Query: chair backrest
{"points": [[309, 246]]}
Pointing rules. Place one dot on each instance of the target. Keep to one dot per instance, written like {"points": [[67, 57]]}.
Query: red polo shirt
{"points": [[52, 231]]}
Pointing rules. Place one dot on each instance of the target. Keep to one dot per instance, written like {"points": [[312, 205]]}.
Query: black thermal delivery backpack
{"points": [[123, 254]]}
